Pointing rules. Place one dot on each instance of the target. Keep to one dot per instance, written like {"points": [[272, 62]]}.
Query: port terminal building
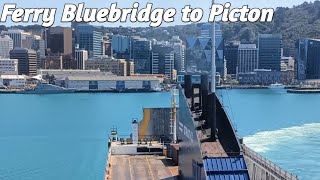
{"points": [[112, 82], [13, 81]]}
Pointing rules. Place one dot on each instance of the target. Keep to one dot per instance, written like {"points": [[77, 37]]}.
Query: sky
{"points": [[178, 4]]}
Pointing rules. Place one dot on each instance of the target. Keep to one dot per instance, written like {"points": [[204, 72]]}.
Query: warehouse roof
{"points": [[112, 78], [13, 77]]}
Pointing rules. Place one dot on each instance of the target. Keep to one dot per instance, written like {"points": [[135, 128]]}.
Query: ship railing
{"points": [[221, 154], [107, 173], [147, 139], [268, 165]]}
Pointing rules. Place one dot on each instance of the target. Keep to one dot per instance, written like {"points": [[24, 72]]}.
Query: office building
{"points": [[130, 67], [141, 55], [162, 60], [107, 48], [8, 66], [120, 44], [40, 46], [27, 61], [179, 53], [231, 56], [307, 62], [6, 45], [59, 41], [89, 38], [81, 56], [17, 35], [287, 63], [247, 58], [206, 30], [106, 64], [270, 51], [198, 51]]}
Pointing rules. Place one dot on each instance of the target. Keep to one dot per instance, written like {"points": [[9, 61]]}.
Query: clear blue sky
{"points": [[178, 4]]}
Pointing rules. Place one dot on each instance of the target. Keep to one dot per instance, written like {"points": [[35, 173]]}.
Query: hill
{"points": [[301, 21]]}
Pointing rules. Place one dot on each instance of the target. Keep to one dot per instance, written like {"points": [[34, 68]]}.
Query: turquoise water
{"points": [[64, 136], [283, 127]]}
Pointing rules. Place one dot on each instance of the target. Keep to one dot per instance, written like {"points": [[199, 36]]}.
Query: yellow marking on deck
{"points": [[150, 168], [130, 168]]}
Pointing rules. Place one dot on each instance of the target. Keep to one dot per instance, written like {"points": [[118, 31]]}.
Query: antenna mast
{"points": [[213, 82]]}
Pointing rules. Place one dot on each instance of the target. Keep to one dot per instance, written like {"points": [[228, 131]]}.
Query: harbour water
{"points": [[281, 126], [64, 136]]}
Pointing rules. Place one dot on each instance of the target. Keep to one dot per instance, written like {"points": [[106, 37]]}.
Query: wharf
{"points": [[4, 91], [241, 87], [304, 91]]}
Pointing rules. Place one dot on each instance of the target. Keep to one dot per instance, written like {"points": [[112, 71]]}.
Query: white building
{"points": [[112, 82], [13, 81], [61, 74], [8, 66], [287, 63], [179, 53], [81, 56], [6, 45], [18, 36], [248, 56]]}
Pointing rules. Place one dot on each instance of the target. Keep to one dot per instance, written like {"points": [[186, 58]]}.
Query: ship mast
{"points": [[213, 81], [173, 120]]}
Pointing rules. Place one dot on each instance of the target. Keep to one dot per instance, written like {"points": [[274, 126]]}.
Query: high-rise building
{"points": [[198, 51], [270, 51], [8, 66], [89, 38], [231, 56], [120, 44], [81, 56], [107, 48], [179, 53], [6, 45], [247, 58], [16, 35], [40, 46], [130, 67], [307, 62], [141, 55], [59, 40], [206, 30], [162, 60], [27, 61]]}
